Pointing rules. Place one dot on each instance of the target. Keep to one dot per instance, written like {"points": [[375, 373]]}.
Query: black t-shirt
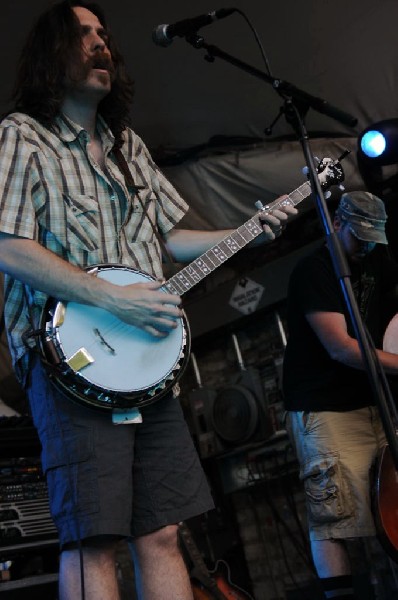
{"points": [[311, 379]]}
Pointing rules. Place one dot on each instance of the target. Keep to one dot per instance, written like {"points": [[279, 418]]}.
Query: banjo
{"points": [[102, 362]]}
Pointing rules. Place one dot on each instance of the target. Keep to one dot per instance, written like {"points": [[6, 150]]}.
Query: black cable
{"points": [[265, 58], [301, 550], [286, 561], [2, 323], [293, 506], [66, 456], [302, 553], [279, 536], [74, 505], [35, 334]]}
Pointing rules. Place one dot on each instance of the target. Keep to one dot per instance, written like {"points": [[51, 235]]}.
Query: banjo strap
{"points": [[135, 189]]}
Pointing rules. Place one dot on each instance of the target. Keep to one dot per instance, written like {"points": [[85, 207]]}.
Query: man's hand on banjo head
{"points": [[145, 306]]}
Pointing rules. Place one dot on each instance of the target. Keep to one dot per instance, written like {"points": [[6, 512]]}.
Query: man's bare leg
{"points": [[332, 561], [100, 578], [160, 570]]}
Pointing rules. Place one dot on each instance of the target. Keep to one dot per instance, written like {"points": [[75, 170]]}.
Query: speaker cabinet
{"points": [[239, 412], [232, 416]]}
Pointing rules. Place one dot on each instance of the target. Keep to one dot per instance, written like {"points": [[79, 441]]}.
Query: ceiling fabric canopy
{"points": [[343, 52]]}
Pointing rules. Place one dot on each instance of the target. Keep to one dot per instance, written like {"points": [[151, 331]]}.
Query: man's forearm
{"points": [[42, 270], [186, 245]]}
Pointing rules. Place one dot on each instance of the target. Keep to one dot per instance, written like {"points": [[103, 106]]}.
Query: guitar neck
{"points": [[205, 264], [200, 571]]}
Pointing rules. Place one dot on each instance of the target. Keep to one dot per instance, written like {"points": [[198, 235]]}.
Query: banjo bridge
{"points": [[103, 341], [80, 359]]}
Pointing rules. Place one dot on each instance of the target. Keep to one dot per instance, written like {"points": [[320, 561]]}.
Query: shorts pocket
{"points": [[72, 446], [71, 475], [328, 496]]}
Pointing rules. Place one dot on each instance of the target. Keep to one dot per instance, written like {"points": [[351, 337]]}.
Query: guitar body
{"points": [[385, 502], [385, 490], [225, 589], [221, 589], [209, 585], [222, 577], [200, 593], [105, 363]]}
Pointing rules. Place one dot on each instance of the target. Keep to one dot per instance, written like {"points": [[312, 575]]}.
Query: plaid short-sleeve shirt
{"points": [[52, 191]]}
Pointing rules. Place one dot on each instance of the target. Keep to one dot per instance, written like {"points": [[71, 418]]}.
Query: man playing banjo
{"points": [[65, 206]]}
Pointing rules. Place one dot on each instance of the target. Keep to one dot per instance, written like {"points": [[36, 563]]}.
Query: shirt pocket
{"points": [[81, 221], [73, 230]]}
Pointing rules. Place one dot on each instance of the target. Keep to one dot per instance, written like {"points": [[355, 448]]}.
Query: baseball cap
{"points": [[366, 215]]}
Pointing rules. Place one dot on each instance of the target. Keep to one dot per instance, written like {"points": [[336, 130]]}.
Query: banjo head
{"points": [[109, 363]]}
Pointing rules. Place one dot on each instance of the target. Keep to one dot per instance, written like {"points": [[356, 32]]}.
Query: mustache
{"points": [[101, 61], [80, 70]]}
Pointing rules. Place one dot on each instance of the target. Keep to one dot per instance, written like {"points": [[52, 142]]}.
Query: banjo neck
{"points": [[210, 260]]}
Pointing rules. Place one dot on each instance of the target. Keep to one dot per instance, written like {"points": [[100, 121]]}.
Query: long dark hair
{"points": [[52, 46]]}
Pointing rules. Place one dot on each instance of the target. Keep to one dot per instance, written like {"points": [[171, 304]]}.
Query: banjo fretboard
{"points": [[205, 264]]}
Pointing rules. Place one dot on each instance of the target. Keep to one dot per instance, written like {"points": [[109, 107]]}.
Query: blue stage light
{"points": [[373, 143], [378, 143]]}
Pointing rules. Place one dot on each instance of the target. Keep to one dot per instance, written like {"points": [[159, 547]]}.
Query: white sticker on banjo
{"points": [[126, 417]]}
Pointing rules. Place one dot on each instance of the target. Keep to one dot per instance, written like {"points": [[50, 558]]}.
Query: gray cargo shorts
{"points": [[336, 452], [119, 480]]}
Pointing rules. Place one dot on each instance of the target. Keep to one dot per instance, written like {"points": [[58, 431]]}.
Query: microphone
{"points": [[163, 35]]}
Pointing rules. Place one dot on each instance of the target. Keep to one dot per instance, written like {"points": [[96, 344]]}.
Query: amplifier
{"points": [[24, 510]]}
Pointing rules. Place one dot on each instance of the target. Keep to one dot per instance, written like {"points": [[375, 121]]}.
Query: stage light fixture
{"points": [[373, 143], [378, 143]]}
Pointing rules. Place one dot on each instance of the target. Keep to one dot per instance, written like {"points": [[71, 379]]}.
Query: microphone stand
{"points": [[296, 104]]}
